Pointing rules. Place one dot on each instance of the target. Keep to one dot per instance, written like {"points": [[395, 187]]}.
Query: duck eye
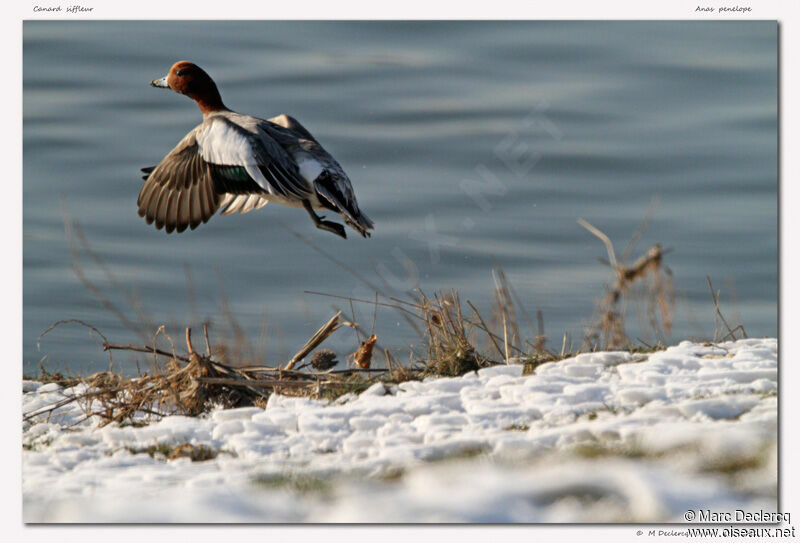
{"points": [[180, 73]]}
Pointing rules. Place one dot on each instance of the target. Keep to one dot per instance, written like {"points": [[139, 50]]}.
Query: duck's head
{"points": [[190, 79]]}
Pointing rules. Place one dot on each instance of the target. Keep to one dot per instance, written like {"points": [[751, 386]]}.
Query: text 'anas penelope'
{"points": [[233, 162]]}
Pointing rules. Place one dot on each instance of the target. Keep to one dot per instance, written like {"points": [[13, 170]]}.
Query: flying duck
{"points": [[236, 163]]}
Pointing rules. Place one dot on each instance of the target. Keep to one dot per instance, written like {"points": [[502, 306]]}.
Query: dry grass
{"points": [[450, 352], [190, 383], [186, 384], [457, 338], [648, 272]]}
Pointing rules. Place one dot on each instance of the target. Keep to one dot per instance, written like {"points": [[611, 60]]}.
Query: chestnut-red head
{"points": [[190, 79]]}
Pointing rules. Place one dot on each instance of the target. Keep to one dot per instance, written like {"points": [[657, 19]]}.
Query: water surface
{"points": [[470, 144]]}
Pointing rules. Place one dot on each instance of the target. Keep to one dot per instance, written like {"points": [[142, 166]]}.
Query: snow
{"points": [[601, 437]]}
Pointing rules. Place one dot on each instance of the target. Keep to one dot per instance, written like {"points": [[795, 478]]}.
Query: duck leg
{"points": [[330, 226]]}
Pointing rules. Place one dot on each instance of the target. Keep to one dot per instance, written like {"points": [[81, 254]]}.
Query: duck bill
{"points": [[160, 83]]}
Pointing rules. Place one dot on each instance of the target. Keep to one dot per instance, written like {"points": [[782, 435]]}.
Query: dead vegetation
{"points": [[649, 272], [458, 339], [450, 352], [719, 317], [190, 383]]}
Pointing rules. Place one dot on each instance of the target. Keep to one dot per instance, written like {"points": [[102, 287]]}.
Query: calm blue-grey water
{"points": [[470, 144]]}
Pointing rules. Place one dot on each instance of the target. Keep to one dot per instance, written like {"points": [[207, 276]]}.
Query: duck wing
{"points": [[179, 192], [248, 153], [331, 185], [293, 125], [220, 164]]}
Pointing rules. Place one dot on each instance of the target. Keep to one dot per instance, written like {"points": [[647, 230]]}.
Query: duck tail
{"points": [[359, 222], [331, 196]]}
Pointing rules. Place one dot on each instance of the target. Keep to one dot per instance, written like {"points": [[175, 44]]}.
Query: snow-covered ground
{"points": [[602, 437]]}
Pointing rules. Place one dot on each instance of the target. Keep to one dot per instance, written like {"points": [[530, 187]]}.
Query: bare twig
{"points": [[608, 328], [259, 383], [505, 337], [641, 228], [321, 335], [374, 316], [68, 321], [205, 335], [402, 309], [353, 320], [505, 303], [486, 328], [146, 349], [189, 346], [612, 259], [718, 313]]}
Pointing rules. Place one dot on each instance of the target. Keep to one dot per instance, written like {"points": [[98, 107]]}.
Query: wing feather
{"points": [[184, 214], [179, 191], [170, 215], [268, 165], [241, 203], [196, 207], [160, 212], [220, 166], [207, 200]]}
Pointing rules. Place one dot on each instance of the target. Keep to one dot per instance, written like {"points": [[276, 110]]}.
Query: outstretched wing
{"points": [[217, 166], [185, 190], [179, 192]]}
